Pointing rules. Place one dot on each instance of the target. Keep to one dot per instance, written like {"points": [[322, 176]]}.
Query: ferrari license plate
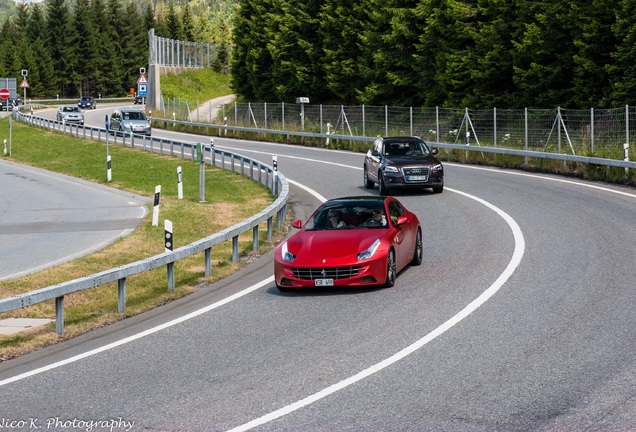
{"points": [[324, 282]]}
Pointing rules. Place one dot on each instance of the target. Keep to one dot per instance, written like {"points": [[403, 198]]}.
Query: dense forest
{"points": [[96, 47], [454, 53]]}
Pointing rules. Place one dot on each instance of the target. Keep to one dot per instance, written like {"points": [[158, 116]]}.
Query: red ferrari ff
{"points": [[354, 241]]}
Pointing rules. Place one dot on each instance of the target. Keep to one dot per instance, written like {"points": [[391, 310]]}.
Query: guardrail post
{"points": [[235, 251], [59, 315], [121, 295], [171, 276], [270, 228], [208, 262], [279, 219], [255, 238]]}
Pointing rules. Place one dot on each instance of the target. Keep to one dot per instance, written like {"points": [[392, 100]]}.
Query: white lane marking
{"points": [[535, 176], [145, 333], [296, 157], [470, 308], [558, 180], [311, 191]]}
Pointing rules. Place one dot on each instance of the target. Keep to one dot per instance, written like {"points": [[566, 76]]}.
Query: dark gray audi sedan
{"points": [[402, 162]]}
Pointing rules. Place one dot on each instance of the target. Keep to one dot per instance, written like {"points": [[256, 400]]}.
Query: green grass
{"points": [[199, 85], [230, 198]]}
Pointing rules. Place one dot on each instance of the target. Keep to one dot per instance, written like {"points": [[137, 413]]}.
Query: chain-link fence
{"points": [[579, 132]]}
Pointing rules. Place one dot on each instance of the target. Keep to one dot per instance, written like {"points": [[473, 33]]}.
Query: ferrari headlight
{"points": [[287, 255], [370, 251]]}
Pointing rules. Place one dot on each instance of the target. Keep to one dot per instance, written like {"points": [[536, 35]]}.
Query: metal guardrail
{"points": [[258, 171], [474, 148]]}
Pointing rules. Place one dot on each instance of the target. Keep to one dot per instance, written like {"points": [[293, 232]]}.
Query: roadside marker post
{"points": [[108, 160], [212, 155], [201, 162], [275, 175], [179, 182], [155, 209], [167, 235]]}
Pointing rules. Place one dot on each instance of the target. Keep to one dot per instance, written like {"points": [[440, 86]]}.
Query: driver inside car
{"points": [[378, 218]]}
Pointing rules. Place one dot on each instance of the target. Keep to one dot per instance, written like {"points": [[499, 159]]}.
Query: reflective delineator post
{"points": [[179, 182], [155, 209]]}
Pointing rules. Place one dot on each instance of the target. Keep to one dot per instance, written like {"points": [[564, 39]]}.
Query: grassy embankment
{"points": [[230, 198]]}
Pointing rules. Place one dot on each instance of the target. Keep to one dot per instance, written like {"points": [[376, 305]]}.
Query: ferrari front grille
{"points": [[326, 272]]}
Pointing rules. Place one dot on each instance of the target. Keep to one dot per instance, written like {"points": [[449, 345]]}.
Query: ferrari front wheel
{"points": [[391, 273], [417, 252]]}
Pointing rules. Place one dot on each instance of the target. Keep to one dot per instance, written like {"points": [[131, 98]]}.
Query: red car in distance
{"points": [[350, 242]]}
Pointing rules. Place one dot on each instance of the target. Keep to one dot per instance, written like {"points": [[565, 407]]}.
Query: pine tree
{"points": [[341, 24], [58, 30], [544, 53], [173, 22], [87, 49], [42, 76], [594, 46], [252, 61], [622, 72]]}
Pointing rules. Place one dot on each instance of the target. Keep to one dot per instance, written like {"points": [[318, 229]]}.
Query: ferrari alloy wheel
{"points": [[417, 252], [368, 184], [382, 184], [390, 269]]}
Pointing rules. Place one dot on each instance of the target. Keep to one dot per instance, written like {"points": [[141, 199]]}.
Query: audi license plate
{"points": [[324, 282], [416, 178]]}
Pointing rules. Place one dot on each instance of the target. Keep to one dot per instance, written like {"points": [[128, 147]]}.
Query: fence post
{"points": [[525, 116], [364, 129], [592, 129], [494, 126]]}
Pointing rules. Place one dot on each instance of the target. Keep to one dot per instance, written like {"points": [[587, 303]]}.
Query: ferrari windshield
{"points": [[348, 215]]}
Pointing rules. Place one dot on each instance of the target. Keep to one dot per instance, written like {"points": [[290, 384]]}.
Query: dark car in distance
{"points": [[9, 104], [87, 102], [402, 162]]}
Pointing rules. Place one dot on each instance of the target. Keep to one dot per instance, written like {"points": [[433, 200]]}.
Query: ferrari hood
{"points": [[333, 244]]}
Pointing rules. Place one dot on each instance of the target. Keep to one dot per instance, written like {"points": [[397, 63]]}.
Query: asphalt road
{"points": [[47, 219], [521, 318]]}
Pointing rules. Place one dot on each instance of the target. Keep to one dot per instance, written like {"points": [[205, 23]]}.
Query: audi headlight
{"points": [[391, 169], [287, 255], [437, 168], [370, 251]]}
